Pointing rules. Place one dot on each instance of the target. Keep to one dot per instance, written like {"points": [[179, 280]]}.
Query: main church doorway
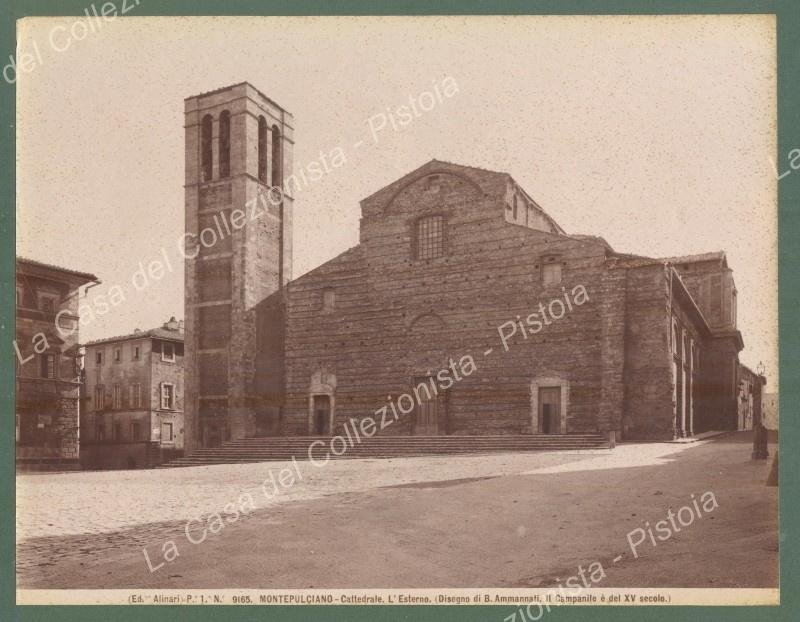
{"points": [[430, 416], [550, 410]]}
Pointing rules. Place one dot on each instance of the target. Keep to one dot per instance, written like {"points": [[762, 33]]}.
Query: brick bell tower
{"points": [[238, 249]]}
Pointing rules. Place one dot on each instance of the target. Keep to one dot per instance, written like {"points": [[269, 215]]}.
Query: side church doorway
{"points": [[322, 415]]}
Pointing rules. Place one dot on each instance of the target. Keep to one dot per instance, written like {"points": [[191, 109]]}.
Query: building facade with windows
{"points": [[565, 334], [47, 364], [749, 383], [133, 399]]}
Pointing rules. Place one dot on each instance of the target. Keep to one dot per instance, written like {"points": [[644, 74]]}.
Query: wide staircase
{"points": [[273, 448]]}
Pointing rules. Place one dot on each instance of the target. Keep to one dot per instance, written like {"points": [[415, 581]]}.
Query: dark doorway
{"points": [[211, 435], [322, 415], [430, 411], [31, 431], [550, 410]]}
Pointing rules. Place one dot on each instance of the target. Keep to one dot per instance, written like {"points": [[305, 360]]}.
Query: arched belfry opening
{"points": [[262, 149], [277, 179], [224, 144], [206, 148]]}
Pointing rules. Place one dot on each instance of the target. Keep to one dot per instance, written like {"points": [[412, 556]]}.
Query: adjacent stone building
{"points": [[133, 397], [463, 295], [47, 364], [750, 384]]}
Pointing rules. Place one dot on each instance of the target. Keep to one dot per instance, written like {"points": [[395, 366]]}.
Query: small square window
{"points": [[47, 303], [168, 352], [48, 365], [551, 273], [328, 300]]}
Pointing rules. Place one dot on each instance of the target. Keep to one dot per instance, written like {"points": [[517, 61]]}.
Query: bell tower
{"points": [[237, 248]]}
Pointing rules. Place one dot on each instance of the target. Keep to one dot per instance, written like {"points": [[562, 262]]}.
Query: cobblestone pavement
{"points": [[105, 502], [501, 520], [85, 515]]}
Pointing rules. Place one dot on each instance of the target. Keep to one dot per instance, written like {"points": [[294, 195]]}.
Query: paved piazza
{"points": [[505, 520], [93, 502]]}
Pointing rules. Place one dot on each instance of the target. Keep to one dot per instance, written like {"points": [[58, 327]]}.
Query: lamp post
{"points": [[760, 451]]}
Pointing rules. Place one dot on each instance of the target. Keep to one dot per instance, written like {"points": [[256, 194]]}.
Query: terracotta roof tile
{"points": [[40, 264]]}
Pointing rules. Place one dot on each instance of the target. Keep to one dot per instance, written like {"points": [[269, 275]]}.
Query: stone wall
{"points": [[47, 406], [712, 287], [648, 374], [244, 257], [720, 362], [397, 318]]}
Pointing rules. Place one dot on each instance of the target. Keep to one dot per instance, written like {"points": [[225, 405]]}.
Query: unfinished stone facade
{"points": [[459, 269]]}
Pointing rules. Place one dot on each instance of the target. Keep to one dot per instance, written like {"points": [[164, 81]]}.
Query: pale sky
{"points": [[653, 132]]}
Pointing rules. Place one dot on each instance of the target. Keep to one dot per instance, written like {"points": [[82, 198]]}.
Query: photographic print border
{"points": [[788, 115]]}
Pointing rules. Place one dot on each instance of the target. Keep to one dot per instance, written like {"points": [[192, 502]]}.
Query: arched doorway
{"points": [[322, 404], [321, 415]]}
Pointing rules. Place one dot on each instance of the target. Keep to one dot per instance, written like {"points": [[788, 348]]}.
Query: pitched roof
{"points": [[157, 333], [591, 238], [48, 266], [696, 258], [431, 167], [478, 177], [231, 86], [628, 260]]}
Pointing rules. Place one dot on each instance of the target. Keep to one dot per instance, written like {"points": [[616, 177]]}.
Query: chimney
{"points": [[172, 324]]}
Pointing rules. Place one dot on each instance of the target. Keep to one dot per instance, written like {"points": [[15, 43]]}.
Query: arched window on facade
{"points": [[675, 343], [276, 157], [685, 351], [262, 149], [205, 148], [225, 144]]}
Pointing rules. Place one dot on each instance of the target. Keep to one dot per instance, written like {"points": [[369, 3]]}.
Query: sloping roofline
{"points": [[47, 266], [429, 168], [231, 86], [153, 333]]}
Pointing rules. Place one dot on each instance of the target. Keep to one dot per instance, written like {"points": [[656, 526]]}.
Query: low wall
{"points": [[122, 455]]}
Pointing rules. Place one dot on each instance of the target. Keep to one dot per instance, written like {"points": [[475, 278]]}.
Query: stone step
{"points": [[269, 449]]}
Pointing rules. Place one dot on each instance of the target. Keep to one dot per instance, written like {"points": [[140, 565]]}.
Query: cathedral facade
{"points": [[465, 309]]}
